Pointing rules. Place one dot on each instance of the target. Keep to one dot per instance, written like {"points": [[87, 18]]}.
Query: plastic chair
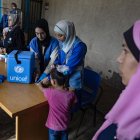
{"points": [[89, 95]]}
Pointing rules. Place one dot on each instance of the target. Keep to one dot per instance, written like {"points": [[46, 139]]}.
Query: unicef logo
{"points": [[18, 69]]}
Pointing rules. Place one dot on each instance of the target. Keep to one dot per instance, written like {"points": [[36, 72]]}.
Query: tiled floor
{"points": [[87, 129]]}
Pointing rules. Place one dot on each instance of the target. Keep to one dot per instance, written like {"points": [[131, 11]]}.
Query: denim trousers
{"points": [[58, 135]]}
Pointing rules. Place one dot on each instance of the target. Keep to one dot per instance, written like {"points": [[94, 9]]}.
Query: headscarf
{"points": [[15, 19], [128, 36], [43, 24], [126, 111], [66, 28]]}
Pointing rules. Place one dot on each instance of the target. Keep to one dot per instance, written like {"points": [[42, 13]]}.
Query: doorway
{"points": [[31, 10]]}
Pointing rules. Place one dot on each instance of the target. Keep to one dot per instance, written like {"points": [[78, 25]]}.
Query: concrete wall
{"points": [[100, 24]]}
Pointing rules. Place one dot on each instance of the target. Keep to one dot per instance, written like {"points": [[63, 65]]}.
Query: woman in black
{"points": [[15, 39]]}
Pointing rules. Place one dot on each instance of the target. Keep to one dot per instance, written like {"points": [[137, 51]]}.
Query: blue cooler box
{"points": [[20, 66]]}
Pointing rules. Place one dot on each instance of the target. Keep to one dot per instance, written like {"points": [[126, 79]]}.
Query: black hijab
{"points": [[128, 36], [43, 24]]}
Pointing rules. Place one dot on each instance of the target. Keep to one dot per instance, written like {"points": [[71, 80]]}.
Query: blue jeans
{"points": [[58, 135]]}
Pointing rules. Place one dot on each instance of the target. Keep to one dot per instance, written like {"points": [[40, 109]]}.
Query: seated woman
{"points": [[44, 46], [71, 54], [123, 121], [15, 37]]}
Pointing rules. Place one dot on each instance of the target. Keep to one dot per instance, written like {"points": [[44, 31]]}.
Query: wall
{"points": [[99, 23]]}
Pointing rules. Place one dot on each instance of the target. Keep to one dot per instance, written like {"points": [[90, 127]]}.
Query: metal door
{"points": [[31, 13]]}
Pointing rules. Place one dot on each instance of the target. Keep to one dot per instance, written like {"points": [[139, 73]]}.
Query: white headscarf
{"points": [[66, 28]]}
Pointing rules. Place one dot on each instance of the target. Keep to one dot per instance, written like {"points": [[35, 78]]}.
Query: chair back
{"points": [[90, 92], [91, 80], [89, 95]]}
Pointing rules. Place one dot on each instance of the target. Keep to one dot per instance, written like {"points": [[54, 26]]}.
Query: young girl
{"points": [[60, 102]]}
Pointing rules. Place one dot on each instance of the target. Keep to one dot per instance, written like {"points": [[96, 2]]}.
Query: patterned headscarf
{"points": [[15, 19]]}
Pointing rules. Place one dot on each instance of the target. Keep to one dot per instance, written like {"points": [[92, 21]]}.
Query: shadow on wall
{"points": [[114, 81]]}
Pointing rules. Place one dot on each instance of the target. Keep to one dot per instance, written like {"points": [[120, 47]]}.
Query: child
{"points": [[60, 102]]}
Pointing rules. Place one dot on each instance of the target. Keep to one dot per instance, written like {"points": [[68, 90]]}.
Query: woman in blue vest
{"points": [[71, 54], [44, 46]]}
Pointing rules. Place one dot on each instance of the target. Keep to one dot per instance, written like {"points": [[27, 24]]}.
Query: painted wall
{"points": [[100, 24]]}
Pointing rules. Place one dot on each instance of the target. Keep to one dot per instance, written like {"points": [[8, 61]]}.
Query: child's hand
{"points": [[45, 81], [39, 86]]}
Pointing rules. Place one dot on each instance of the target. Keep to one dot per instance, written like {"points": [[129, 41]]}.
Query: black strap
{"points": [[16, 57], [108, 133]]}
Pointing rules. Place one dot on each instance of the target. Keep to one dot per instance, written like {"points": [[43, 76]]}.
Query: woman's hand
{"points": [[63, 69], [1, 51], [4, 50]]}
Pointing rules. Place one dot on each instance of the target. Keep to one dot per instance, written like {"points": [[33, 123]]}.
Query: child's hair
{"points": [[59, 77]]}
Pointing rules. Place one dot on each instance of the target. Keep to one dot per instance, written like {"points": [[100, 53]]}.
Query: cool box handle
{"points": [[16, 57]]}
